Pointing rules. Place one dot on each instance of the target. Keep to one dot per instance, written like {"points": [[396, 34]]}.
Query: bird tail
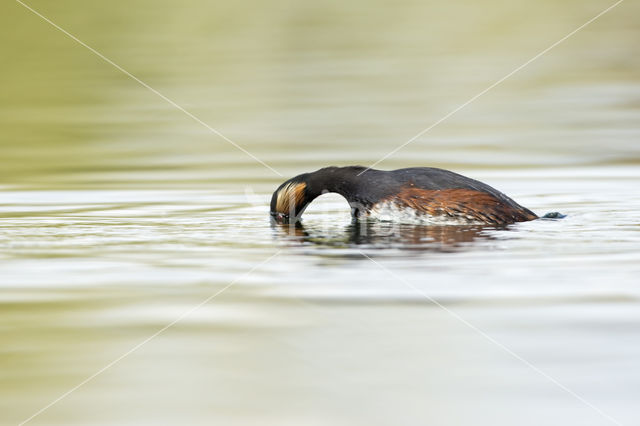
{"points": [[554, 215]]}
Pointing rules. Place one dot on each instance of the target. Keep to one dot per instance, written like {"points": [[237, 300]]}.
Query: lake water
{"points": [[141, 281]]}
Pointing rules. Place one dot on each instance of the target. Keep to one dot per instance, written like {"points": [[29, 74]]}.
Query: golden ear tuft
{"points": [[290, 196]]}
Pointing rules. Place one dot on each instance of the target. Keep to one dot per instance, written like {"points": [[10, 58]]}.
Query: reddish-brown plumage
{"points": [[467, 204]]}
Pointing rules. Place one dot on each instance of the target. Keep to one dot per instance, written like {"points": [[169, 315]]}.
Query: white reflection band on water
{"points": [[148, 339], [128, 74], [490, 87], [492, 340]]}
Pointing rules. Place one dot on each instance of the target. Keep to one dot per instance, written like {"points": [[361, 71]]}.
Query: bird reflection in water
{"points": [[442, 238]]}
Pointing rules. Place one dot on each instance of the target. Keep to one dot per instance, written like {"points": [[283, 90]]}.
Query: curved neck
{"points": [[341, 180]]}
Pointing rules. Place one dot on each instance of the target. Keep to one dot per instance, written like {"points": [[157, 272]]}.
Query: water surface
{"points": [[120, 215]]}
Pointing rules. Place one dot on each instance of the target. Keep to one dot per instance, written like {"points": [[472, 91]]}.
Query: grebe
{"points": [[415, 195]]}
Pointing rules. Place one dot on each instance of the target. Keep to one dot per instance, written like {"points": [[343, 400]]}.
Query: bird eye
{"points": [[280, 217]]}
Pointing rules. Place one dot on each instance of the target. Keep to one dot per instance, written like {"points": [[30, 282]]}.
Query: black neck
{"points": [[361, 190], [342, 180]]}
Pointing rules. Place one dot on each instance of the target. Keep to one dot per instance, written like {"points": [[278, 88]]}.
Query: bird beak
{"points": [[280, 217]]}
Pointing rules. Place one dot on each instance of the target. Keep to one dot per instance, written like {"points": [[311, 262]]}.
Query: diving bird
{"points": [[422, 195]]}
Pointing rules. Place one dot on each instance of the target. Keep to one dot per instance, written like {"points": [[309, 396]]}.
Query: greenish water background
{"points": [[119, 214]]}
